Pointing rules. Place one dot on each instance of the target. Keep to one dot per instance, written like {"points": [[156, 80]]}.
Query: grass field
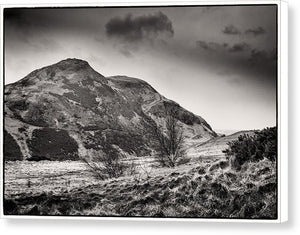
{"points": [[205, 187]]}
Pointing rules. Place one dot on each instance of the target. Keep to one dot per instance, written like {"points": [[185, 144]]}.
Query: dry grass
{"points": [[203, 189]]}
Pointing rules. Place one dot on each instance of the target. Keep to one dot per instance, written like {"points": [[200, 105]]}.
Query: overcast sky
{"points": [[218, 62]]}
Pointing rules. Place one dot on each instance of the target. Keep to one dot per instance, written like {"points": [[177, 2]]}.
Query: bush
{"points": [[263, 144], [110, 164]]}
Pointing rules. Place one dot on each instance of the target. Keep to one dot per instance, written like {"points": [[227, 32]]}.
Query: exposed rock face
{"points": [[68, 111]]}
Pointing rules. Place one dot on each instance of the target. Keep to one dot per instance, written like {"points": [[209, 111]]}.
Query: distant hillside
{"points": [[225, 132], [215, 146]]}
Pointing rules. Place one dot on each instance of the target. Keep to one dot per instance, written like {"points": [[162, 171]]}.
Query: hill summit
{"points": [[68, 111]]}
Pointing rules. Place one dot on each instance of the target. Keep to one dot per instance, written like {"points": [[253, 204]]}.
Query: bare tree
{"points": [[169, 141]]}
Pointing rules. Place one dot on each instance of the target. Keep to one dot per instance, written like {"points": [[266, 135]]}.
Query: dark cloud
{"points": [[223, 47], [255, 31], [15, 18], [11, 13], [239, 47], [264, 61], [23, 28], [241, 57], [133, 29], [212, 46], [231, 30]]}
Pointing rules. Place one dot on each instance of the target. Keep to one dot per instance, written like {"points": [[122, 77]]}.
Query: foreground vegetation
{"points": [[200, 188], [208, 190]]}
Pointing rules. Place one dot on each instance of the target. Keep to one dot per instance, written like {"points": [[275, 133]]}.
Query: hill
{"points": [[67, 111]]}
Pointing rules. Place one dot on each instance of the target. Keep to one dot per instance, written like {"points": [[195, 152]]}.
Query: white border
{"points": [[147, 3], [282, 108], [283, 111]]}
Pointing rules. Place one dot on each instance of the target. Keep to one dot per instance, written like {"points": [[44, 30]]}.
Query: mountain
{"points": [[67, 111]]}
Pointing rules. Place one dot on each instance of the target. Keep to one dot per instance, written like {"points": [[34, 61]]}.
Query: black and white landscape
{"points": [[80, 139]]}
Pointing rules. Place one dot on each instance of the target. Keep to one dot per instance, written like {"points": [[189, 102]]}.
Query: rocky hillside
{"points": [[68, 110]]}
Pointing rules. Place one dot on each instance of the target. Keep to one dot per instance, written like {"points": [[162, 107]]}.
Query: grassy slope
{"points": [[199, 189], [214, 147]]}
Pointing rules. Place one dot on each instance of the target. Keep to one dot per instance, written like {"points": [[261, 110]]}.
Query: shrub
{"points": [[110, 163], [263, 144]]}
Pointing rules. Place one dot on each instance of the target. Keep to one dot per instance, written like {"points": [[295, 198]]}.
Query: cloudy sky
{"points": [[218, 62]]}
